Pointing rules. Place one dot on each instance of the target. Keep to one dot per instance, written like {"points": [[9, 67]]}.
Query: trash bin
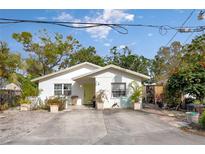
{"points": [[189, 117], [195, 117], [192, 117]]}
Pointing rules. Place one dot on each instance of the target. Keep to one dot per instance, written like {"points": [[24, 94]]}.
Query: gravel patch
{"points": [[15, 123]]}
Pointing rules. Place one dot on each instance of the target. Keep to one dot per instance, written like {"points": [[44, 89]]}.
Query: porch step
{"points": [[80, 107]]}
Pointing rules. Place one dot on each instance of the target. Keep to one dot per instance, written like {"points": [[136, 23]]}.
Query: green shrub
{"points": [[197, 102], [43, 106], [39, 105], [4, 106], [55, 101], [203, 101], [28, 88], [137, 92], [171, 99], [24, 101], [202, 120]]}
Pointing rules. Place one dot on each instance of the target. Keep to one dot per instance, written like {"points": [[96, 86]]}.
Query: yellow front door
{"points": [[89, 92]]}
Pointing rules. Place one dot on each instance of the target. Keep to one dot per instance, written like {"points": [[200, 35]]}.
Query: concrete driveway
{"points": [[106, 127]]}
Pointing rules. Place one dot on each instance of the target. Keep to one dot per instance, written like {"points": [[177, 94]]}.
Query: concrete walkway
{"points": [[107, 127]]}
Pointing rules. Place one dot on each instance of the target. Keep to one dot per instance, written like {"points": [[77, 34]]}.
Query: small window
{"points": [[118, 89], [57, 89], [67, 89], [62, 89]]}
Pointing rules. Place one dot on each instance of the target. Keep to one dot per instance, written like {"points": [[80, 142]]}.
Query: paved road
{"points": [[107, 127]]}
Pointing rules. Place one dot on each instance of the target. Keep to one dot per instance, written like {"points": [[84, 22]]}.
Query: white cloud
{"points": [[107, 44], [122, 46], [128, 45], [41, 18], [63, 16], [99, 32], [107, 16], [150, 34]]}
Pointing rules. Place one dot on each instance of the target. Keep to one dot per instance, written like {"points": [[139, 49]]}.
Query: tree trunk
{"points": [[181, 102]]}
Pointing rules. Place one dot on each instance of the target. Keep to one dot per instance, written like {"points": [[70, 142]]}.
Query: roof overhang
{"points": [[97, 71]]}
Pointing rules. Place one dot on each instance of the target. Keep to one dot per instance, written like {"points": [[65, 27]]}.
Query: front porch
{"points": [[88, 86]]}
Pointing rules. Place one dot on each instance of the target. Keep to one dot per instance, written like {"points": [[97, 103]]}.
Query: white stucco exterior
{"points": [[104, 81], [46, 86], [99, 77]]}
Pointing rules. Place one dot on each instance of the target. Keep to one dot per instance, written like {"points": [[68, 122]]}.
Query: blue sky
{"points": [[143, 41]]}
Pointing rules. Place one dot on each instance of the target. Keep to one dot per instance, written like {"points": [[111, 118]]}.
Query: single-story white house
{"points": [[86, 79]]}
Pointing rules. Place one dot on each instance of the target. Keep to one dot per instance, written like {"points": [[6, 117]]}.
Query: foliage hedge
{"points": [[24, 101], [28, 88], [202, 120], [4, 106]]}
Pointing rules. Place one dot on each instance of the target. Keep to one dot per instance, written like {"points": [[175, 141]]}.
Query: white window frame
{"points": [[120, 95], [62, 90]]}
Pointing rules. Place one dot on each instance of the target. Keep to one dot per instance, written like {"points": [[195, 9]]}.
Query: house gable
{"points": [[46, 84], [89, 66], [115, 68]]}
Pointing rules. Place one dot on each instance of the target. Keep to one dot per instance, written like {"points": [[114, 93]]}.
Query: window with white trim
{"points": [[58, 89], [118, 89], [67, 89], [62, 89]]}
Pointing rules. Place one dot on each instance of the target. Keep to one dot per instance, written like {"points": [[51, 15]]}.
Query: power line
{"points": [[186, 20], [120, 28], [189, 36]]}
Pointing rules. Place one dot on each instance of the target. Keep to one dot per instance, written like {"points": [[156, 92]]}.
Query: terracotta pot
{"points": [[74, 100], [25, 107], [53, 108], [99, 106], [195, 118], [137, 106]]}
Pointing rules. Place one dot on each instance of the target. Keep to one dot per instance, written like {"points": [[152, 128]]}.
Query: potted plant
{"points": [[100, 99], [25, 104], [136, 96], [55, 104], [74, 100]]}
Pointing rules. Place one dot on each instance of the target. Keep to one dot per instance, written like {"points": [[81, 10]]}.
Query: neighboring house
{"points": [[8, 93], [11, 88], [85, 80]]}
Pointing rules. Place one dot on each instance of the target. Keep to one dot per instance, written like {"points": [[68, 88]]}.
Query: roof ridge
{"points": [[116, 67]]}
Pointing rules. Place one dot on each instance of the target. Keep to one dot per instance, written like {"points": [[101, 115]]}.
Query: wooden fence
{"points": [[9, 97]]}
